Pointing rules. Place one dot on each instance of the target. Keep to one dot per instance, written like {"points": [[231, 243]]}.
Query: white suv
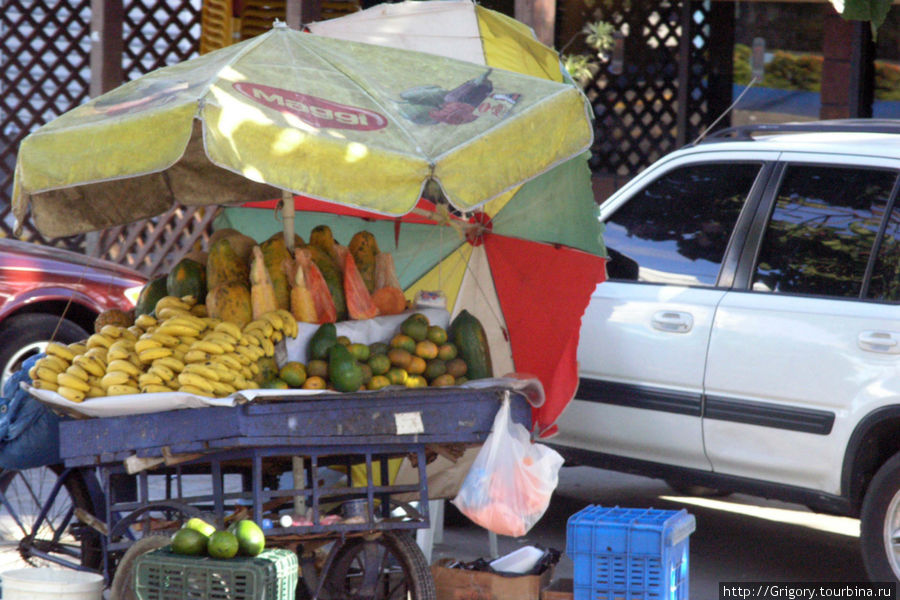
{"points": [[748, 336]]}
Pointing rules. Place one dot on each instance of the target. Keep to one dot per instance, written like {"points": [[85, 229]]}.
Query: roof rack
{"points": [[746, 132]]}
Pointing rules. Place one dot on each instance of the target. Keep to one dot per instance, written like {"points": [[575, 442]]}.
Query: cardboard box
{"points": [[462, 584], [560, 589]]}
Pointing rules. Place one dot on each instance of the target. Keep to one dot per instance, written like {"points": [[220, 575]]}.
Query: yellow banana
{"points": [[162, 372], [63, 352], [45, 373], [169, 341], [169, 362], [189, 299], [195, 380], [221, 389], [229, 360], [131, 333], [250, 340], [112, 331], [172, 302], [268, 347], [126, 366], [98, 340], [122, 390], [206, 346], [187, 319], [146, 342], [190, 389], [221, 340], [276, 336], [149, 378], [223, 373], [115, 378], [151, 354], [71, 394], [53, 362], [32, 372], [43, 384], [204, 370], [274, 320], [119, 351], [77, 348], [199, 310], [230, 328], [90, 364], [195, 356], [145, 322], [152, 388], [171, 312], [71, 381], [241, 383], [76, 371], [261, 325], [178, 330], [98, 352], [290, 323], [95, 392]]}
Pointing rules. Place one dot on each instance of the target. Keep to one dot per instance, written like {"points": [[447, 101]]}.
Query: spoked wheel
{"points": [[37, 514], [122, 587], [387, 566]]}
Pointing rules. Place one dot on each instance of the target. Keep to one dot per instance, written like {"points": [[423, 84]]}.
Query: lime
{"points": [[378, 348], [198, 524], [437, 334], [251, 539], [414, 328], [190, 542], [403, 341], [379, 364], [222, 544], [276, 383], [397, 376], [434, 368], [360, 352]]}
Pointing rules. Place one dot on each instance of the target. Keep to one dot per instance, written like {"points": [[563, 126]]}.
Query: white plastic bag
{"points": [[508, 488]]}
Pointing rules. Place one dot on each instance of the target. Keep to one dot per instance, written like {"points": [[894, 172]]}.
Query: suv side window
{"points": [[677, 228], [822, 230], [885, 282]]}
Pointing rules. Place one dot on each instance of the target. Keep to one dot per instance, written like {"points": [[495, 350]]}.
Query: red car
{"points": [[47, 293]]}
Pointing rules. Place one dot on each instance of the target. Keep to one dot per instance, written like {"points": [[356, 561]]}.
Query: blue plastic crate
{"points": [[633, 553]]}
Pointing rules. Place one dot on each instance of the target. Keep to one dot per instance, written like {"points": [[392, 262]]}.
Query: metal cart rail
{"points": [[240, 455]]}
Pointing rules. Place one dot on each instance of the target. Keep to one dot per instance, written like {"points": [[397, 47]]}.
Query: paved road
{"points": [[738, 537]]}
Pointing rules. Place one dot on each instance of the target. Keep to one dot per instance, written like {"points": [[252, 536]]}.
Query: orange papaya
{"points": [[359, 302], [230, 301], [318, 286], [274, 253], [364, 248], [223, 265], [330, 272]]}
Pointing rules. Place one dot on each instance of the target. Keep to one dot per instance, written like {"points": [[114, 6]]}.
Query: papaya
{"points": [[364, 248], [359, 302], [150, 294], [262, 291], [230, 301], [385, 273], [187, 278], [331, 273], [389, 300], [240, 243], [343, 369], [303, 307], [275, 252], [321, 342], [318, 287], [224, 265], [321, 237], [467, 333]]}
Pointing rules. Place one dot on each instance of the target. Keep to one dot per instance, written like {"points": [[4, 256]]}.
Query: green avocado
{"points": [[322, 340], [343, 369]]}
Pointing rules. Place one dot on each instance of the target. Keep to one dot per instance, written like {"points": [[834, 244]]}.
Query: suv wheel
{"points": [[880, 523], [26, 335]]}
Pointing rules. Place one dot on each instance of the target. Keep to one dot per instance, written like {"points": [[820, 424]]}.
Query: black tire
{"points": [[880, 523], [387, 567], [122, 587], [25, 493], [26, 335]]}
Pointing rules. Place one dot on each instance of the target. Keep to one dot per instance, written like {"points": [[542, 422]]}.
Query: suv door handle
{"points": [[672, 321], [879, 341]]}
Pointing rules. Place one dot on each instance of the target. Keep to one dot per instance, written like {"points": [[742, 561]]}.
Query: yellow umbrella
{"points": [[288, 112]]}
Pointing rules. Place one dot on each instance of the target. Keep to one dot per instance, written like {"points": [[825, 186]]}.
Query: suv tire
{"points": [[879, 522], [26, 335]]}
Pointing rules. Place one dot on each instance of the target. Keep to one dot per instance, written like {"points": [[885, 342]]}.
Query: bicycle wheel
{"points": [[389, 566], [122, 587], [56, 537]]}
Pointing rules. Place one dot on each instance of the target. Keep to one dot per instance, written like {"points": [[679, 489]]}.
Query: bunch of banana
{"points": [[176, 350]]}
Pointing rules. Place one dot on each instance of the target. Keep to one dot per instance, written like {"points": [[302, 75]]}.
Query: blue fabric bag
{"points": [[29, 430]]}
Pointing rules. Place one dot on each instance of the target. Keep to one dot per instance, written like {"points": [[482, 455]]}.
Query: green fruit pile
{"points": [[199, 538], [418, 355]]}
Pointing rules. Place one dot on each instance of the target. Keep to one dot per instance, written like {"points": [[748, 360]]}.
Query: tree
{"points": [[874, 11]]}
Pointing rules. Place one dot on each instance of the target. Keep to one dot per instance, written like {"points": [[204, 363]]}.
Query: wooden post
{"points": [[540, 15], [848, 71], [301, 12], [106, 45]]}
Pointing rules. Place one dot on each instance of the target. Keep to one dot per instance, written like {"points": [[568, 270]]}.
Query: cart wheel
{"points": [[389, 566], [122, 587], [57, 538]]}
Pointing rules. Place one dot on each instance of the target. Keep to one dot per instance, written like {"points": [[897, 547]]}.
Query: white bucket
{"points": [[51, 584]]}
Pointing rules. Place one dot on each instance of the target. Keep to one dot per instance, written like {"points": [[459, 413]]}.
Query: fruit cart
{"points": [[222, 463]]}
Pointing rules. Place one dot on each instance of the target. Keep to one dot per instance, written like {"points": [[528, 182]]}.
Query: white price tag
{"points": [[409, 423]]}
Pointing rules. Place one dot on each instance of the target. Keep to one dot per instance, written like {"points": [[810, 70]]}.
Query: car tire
{"points": [[880, 523], [26, 335]]}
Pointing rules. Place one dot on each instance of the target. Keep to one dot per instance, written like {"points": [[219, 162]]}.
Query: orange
{"points": [[378, 381], [314, 383], [403, 341], [294, 373], [416, 366], [427, 349], [400, 357]]}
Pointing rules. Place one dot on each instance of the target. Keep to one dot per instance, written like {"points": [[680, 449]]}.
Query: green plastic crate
{"points": [[164, 575]]}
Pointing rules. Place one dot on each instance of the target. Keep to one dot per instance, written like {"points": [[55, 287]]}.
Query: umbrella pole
{"points": [[287, 213]]}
